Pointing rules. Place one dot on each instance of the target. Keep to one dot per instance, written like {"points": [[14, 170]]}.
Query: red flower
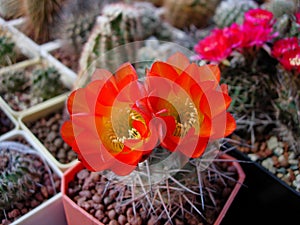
{"points": [[291, 60], [284, 45], [104, 129], [297, 15], [215, 47], [191, 95], [259, 17]]}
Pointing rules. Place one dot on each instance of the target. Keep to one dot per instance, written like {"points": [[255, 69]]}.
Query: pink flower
{"points": [[234, 34], [284, 45], [256, 35], [215, 47], [259, 17]]}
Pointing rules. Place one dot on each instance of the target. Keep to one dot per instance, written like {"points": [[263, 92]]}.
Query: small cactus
{"points": [[18, 175], [184, 13], [119, 24], [13, 81], [232, 11], [7, 54], [286, 26], [46, 83], [280, 7]]}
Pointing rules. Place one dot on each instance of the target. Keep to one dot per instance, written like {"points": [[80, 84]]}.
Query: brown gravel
{"points": [[47, 130]]}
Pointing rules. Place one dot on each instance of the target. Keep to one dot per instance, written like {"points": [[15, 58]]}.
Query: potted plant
{"points": [[154, 155], [262, 72], [30, 183]]}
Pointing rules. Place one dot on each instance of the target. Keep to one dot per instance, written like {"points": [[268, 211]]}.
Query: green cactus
{"points": [[46, 83], [18, 175], [119, 24], [280, 7], [77, 20], [7, 54], [286, 26], [13, 81], [232, 11]]}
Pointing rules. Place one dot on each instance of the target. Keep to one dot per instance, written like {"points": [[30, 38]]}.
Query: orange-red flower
{"points": [[192, 96], [104, 129]]}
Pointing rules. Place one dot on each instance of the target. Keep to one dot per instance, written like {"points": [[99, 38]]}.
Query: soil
{"points": [[66, 58], [44, 191], [5, 123], [47, 130], [106, 199]]}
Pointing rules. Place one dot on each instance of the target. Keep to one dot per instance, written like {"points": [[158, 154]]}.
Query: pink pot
{"points": [[77, 216]]}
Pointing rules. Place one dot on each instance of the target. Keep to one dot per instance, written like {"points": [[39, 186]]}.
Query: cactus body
{"points": [[232, 11], [13, 81], [119, 24], [280, 7]]}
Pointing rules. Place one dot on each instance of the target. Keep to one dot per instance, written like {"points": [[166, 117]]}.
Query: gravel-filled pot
{"points": [[43, 125], [90, 197], [29, 183]]}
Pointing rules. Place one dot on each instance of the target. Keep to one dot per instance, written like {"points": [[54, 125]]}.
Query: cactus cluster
{"points": [[119, 24], [7, 49], [46, 83], [232, 11], [18, 175]]}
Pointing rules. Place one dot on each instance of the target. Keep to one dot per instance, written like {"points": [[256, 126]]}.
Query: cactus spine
{"points": [[232, 11]]}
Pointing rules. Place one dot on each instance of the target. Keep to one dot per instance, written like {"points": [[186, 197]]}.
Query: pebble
{"points": [[268, 163]]}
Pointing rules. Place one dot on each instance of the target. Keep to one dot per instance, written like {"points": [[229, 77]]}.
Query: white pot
{"points": [[38, 112], [50, 211]]}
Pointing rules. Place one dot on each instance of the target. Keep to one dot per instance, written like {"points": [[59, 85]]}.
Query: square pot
{"points": [[76, 215], [50, 211]]}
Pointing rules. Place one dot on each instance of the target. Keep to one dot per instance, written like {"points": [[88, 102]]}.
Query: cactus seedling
{"points": [[46, 83], [6, 51]]}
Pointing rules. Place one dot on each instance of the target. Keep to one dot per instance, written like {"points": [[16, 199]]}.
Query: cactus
{"points": [[280, 7], [41, 15], [46, 83], [183, 13], [10, 9], [287, 106], [157, 3], [119, 24], [77, 20], [286, 26], [18, 174], [13, 81], [232, 11]]}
